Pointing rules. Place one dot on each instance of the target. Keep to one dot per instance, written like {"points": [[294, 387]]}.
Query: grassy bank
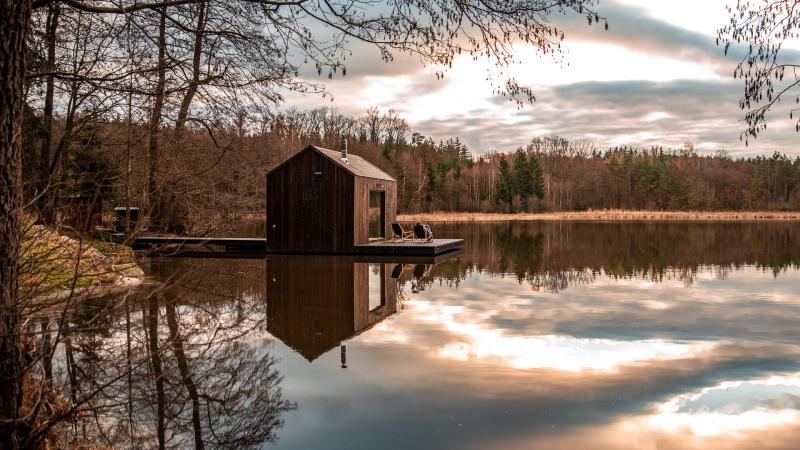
{"points": [[51, 262], [604, 215]]}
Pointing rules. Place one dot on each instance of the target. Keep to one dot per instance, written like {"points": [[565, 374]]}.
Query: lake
{"points": [[551, 335]]}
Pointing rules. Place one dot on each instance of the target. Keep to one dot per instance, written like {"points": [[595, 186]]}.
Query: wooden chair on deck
{"points": [[423, 232], [399, 234]]}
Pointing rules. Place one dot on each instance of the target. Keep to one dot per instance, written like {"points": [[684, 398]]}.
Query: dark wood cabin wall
{"points": [[364, 318], [277, 200], [360, 295], [306, 214], [310, 301], [316, 302], [390, 290], [361, 208]]}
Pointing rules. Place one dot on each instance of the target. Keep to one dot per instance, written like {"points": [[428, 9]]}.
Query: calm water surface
{"points": [[539, 335]]}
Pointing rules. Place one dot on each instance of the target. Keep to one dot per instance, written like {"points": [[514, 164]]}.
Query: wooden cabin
{"points": [[326, 201], [314, 303]]}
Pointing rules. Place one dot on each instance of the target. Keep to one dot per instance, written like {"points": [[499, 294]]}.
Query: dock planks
{"points": [[381, 248], [232, 244], [410, 248]]}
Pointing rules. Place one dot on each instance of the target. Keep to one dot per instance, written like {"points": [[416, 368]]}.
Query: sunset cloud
{"points": [[504, 366], [656, 77]]}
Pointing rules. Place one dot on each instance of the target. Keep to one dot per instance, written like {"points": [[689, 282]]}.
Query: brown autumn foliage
{"points": [[218, 175]]}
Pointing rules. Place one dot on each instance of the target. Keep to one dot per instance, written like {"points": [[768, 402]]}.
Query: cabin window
{"points": [[377, 207], [376, 293]]}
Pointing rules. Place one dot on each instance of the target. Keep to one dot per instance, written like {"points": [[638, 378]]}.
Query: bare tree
{"points": [[51, 26], [760, 29], [436, 32], [14, 26]]}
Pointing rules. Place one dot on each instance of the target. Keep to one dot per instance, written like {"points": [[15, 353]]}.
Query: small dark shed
{"points": [[326, 201]]}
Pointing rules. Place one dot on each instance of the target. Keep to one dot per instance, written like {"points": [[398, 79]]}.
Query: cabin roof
{"points": [[312, 346], [355, 164]]}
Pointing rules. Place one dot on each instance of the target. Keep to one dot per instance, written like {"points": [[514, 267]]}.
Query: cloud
{"points": [[618, 113], [405, 392], [648, 80], [633, 28]]}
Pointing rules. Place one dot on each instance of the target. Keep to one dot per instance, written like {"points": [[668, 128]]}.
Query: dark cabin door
{"points": [[377, 212]]}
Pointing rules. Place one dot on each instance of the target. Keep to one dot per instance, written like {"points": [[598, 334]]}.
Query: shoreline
{"points": [[62, 268], [121, 286], [606, 216]]}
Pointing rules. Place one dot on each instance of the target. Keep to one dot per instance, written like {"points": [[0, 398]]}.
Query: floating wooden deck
{"points": [[410, 248], [409, 259], [258, 245], [211, 243]]}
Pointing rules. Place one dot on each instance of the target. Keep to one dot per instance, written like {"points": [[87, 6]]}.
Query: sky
{"points": [[656, 77]]}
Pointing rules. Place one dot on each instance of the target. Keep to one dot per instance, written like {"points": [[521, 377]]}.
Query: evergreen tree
{"points": [[433, 187], [523, 182], [504, 188], [524, 175], [91, 168]]}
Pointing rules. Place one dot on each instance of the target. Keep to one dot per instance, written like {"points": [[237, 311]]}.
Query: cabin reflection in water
{"points": [[314, 303]]}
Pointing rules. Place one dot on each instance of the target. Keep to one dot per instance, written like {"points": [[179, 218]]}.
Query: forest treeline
{"points": [[221, 170]]}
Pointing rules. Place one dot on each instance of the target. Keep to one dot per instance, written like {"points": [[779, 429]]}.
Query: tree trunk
{"points": [[63, 144], [47, 356], [158, 373], [14, 24], [186, 376], [155, 123], [46, 191], [71, 368], [183, 112]]}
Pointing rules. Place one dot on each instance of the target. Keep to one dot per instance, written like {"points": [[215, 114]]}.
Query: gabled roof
{"points": [[355, 164], [311, 342]]}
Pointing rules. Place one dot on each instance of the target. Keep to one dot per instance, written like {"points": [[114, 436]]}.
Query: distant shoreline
{"points": [[604, 215]]}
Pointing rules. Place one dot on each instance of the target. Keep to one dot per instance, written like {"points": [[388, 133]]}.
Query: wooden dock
{"points": [[195, 243], [176, 244], [409, 247], [409, 259]]}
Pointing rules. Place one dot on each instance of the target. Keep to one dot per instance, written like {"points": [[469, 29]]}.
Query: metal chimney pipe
{"points": [[343, 148]]}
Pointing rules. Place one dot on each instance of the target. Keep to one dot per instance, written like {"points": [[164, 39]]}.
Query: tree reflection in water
{"points": [[555, 255], [189, 361], [170, 366]]}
